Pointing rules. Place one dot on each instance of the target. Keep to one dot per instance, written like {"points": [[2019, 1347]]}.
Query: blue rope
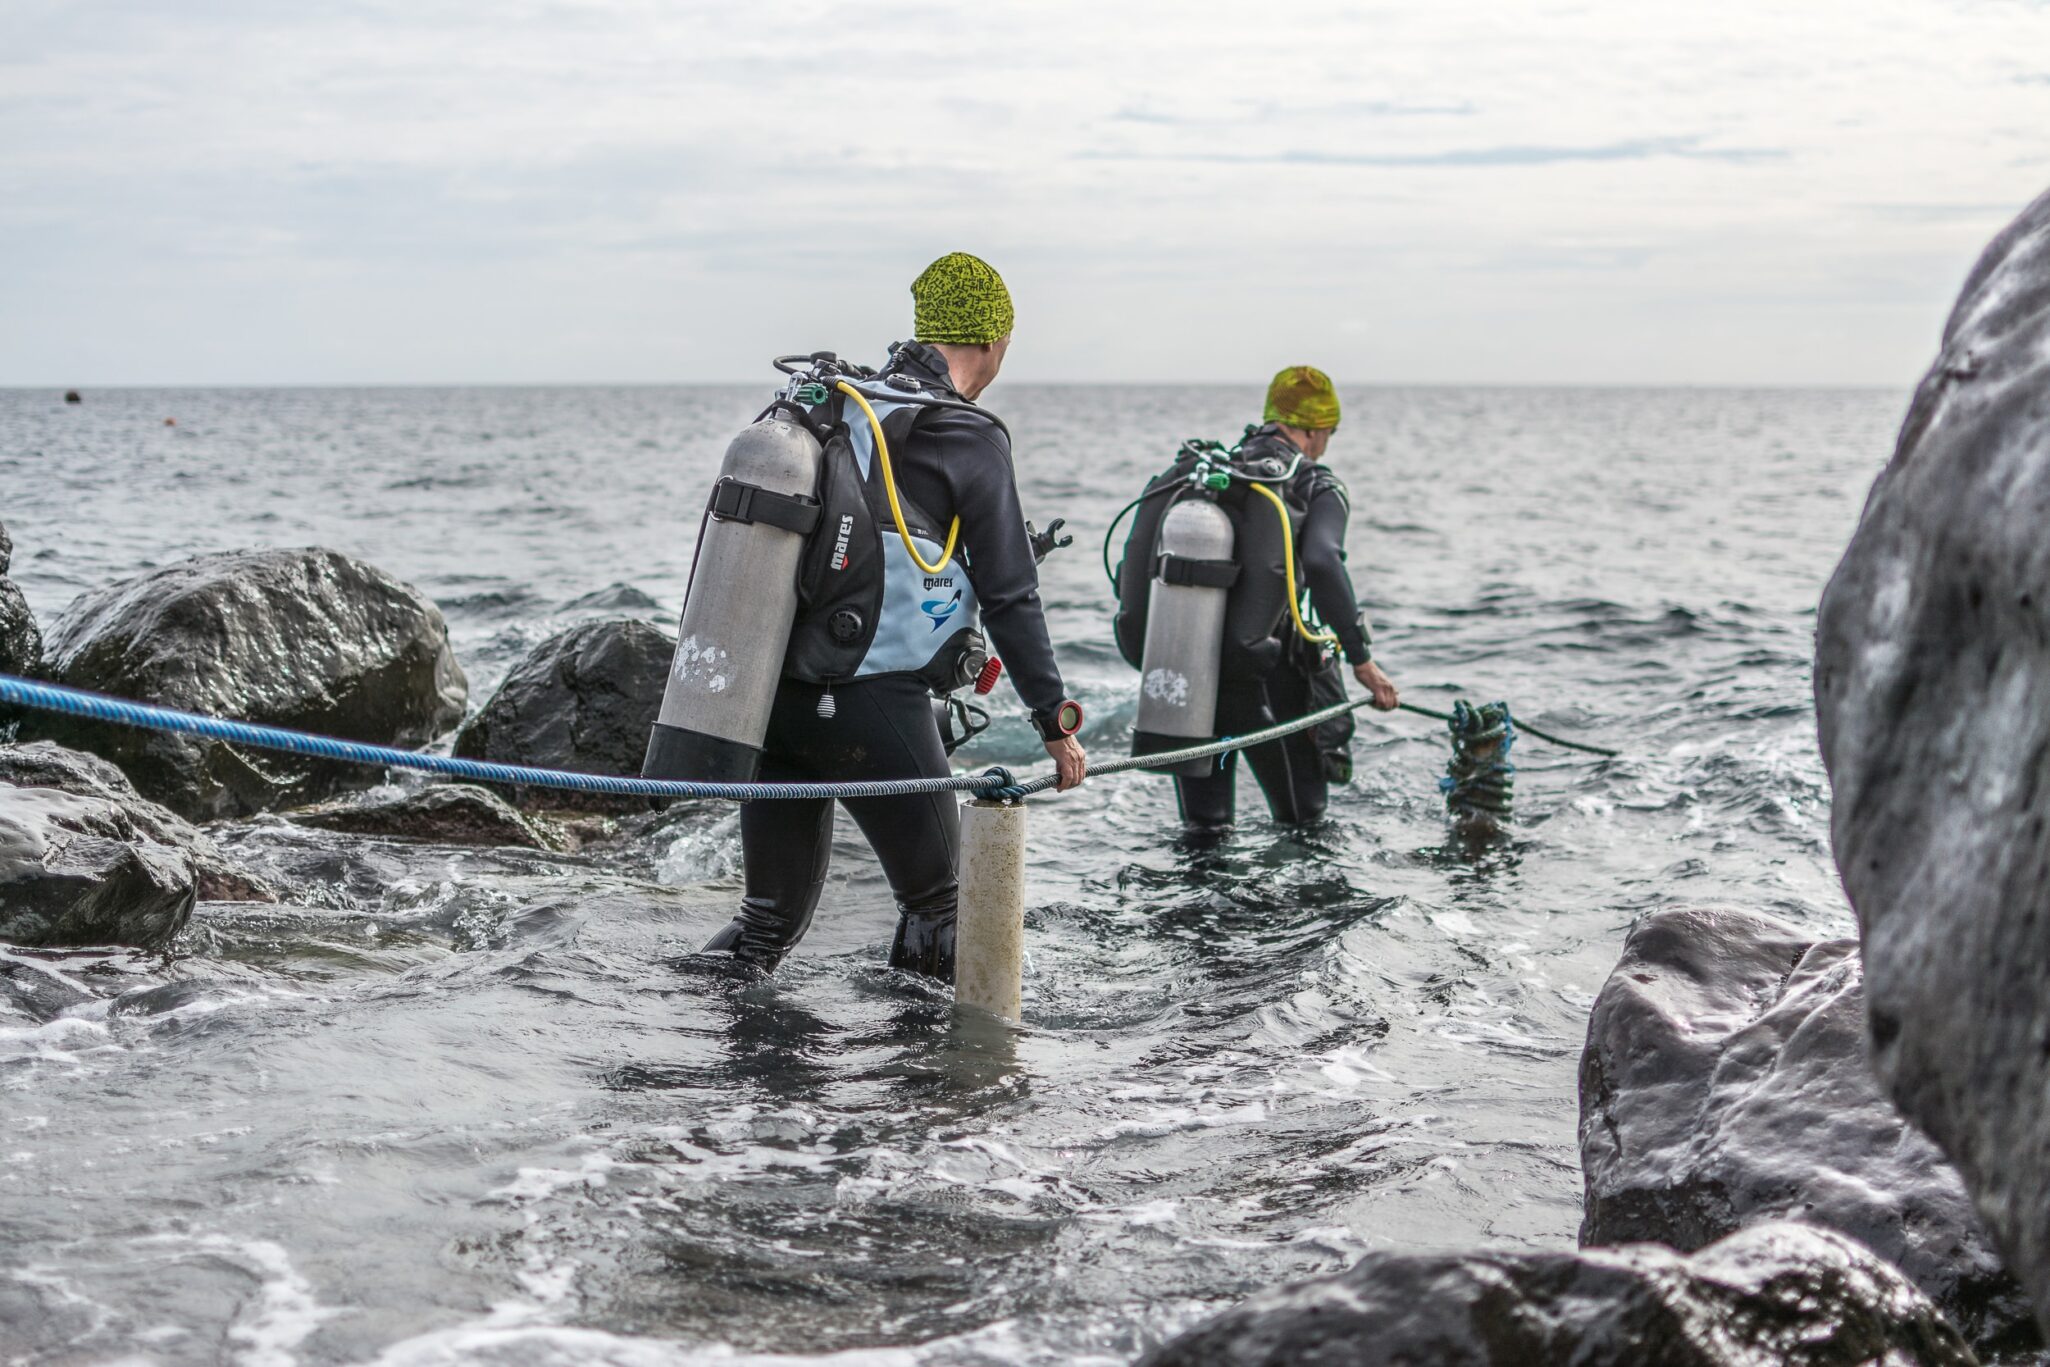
{"points": [[997, 783], [76, 702]]}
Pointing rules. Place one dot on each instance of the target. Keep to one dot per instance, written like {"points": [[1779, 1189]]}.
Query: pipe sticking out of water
{"points": [[989, 930]]}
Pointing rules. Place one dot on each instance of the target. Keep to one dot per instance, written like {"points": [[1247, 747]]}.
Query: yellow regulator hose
{"points": [[897, 509], [1295, 606]]}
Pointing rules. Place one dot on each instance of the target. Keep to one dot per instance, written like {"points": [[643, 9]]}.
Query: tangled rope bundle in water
{"points": [[1479, 781]]}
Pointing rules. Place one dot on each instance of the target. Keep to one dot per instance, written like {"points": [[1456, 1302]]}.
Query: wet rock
{"points": [[21, 642], [446, 814], [1774, 1295], [78, 870], [35, 991], [44, 764], [1726, 1080], [302, 638], [1932, 665], [584, 699]]}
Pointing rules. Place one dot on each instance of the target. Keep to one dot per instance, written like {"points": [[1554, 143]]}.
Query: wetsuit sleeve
{"points": [[1321, 550], [974, 459]]}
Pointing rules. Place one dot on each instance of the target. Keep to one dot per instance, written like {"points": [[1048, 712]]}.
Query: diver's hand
{"points": [[1046, 542], [1069, 758], [1386, 699]]}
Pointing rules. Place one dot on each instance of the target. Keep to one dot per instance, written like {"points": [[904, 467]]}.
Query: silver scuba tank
{"points": [[1192, 576], [738, 609]]}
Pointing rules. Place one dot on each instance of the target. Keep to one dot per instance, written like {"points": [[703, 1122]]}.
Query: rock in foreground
{"points": [[1726, 1081], [79, 871], [446, 814], [47, 765], [1775, 1295], [301, 638], [21, 643], [584, 699], [1931, 672]]}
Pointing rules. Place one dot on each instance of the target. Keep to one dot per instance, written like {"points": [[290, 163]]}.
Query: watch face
{"points": [[1068, 717]]}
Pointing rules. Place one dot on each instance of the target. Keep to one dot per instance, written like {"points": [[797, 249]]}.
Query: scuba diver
{"points": [[1278, 513], [899, 523]]}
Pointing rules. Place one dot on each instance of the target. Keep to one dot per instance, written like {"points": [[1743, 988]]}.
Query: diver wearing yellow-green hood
{"points": [[931, 519], [1287, 515]]}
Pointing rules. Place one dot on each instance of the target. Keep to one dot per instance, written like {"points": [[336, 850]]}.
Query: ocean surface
{"points": [[460, 1105]]}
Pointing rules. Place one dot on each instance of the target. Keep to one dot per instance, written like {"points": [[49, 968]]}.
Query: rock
{"points": [[446, 814], [78, 871], [302, 638], [1774, 1295], [44, 764], [1726, 1080], [1932, 665], [34, 991], [584, 699], [21, 642]]}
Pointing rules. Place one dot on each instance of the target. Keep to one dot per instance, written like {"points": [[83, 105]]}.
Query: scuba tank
{"points": [[738, 608], [1192, 577], [813, 565]]}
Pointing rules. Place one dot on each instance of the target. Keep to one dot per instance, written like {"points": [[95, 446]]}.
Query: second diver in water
{"points": [[1287, 513]]}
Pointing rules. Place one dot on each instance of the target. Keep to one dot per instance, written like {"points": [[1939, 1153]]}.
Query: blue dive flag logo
{"points": [[940, 609]]}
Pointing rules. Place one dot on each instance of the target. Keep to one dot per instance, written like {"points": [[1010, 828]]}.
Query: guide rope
{"points": [[997, 783]]}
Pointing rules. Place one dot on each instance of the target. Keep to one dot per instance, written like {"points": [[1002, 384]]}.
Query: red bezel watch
{"points": [[1064, 720]]}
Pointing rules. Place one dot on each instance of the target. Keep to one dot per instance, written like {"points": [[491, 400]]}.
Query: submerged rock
{"points": [[78, 870], [1931, 669], [446, 814], [302, 638], [1726, 1080], [21, 642], [584, 699], [1774, 1295]]}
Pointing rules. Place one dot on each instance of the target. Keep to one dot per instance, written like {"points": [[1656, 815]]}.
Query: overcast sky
{"points": [[246, 191]]}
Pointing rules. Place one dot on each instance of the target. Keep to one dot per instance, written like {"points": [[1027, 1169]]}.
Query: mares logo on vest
{"points": [[940, 609], [840, 541]]}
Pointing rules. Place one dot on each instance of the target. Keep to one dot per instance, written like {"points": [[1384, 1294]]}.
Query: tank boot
{"points": [[760, 936], [925, 943]]}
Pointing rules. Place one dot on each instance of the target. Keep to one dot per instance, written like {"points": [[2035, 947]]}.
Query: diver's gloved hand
{"points": [[1046, 542]]}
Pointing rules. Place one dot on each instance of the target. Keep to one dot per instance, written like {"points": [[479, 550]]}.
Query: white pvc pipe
{"points": [[989, 931]]}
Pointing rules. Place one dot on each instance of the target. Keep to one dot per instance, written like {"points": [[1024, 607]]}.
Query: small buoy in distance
{"points": [[71, 396], [170, 422]]}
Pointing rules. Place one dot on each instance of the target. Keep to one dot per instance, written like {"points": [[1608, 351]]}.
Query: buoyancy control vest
{"points": [[808, 567], [1257, 602], [866, 606]]}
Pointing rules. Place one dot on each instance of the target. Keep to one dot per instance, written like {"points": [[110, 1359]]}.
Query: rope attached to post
{"points": [[998, 782]]}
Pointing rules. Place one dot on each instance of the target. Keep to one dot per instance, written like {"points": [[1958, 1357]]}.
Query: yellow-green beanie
{"points": [[1302, 396], [960, 299]]}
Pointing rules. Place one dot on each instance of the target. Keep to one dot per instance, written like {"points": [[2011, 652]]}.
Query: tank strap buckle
{"points": [[735, 500], [1202, 574]]}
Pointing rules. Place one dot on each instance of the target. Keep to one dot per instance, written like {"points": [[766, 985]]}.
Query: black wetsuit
{"points": [[954, 464], [1268, 674]]}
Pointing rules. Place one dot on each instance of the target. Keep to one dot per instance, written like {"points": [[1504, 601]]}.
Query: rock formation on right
{"points": [[1932, 684]]}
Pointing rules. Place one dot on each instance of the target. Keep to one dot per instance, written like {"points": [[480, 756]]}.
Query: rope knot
{"points": [[1004, 787]]}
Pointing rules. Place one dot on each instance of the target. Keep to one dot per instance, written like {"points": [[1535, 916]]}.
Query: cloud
{"points": [[1640, 149]]}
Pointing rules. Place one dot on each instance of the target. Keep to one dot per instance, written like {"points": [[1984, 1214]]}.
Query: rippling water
{"points": [[461, 1105]]}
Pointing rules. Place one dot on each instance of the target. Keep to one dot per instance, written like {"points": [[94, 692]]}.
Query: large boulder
{"points": [[21, 643], [1775, 1295], [44, 764], [1932, 668], [301, 638], [1726, 1081], [79, 871], [584, 699]]}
